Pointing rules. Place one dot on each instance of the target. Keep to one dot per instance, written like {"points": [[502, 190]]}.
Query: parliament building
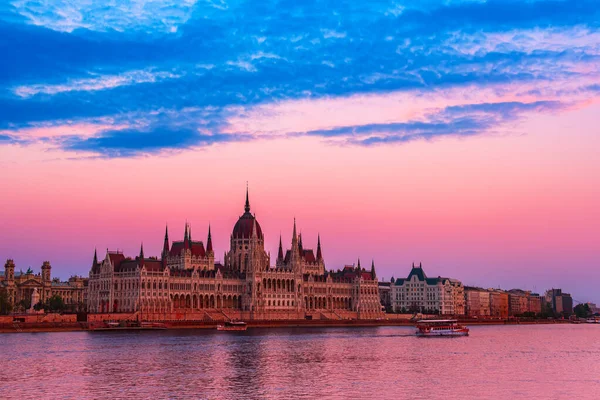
{"points": [[186, 282]]}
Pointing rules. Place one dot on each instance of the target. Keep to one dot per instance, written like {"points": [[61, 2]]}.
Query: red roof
{"points": [[198, 249]]}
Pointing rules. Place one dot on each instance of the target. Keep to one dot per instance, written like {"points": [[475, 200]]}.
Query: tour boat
{"points": [[440, 327], [232, 326]]}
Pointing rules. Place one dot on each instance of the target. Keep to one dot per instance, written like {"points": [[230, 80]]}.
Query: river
{"points": [[494, 362]]}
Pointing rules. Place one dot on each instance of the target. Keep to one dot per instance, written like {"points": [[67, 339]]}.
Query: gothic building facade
{"points": [[186, 278]]}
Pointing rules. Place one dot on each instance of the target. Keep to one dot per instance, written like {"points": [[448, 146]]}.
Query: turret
{"points": [[46, 271], [9, 270], [373, 276]]}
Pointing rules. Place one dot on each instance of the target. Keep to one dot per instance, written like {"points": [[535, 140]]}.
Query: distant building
{"points": [[418, 293], [498, 303], [561, 303], [477, 302], [385, 295], [594, 309], [522, 301], [20, 286]]}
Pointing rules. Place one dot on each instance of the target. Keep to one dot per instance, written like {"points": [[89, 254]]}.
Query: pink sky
{"points": [[511, 208]]}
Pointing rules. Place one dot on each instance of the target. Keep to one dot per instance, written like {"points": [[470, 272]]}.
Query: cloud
{"points": [[134, 142], [83, 63], [102, 82], [102, 15], [464, 120]]}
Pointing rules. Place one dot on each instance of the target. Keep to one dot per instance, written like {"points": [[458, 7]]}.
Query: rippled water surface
{"points": [[544, 361]]}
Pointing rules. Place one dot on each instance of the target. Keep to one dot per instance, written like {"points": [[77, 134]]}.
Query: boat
{"points": [[232, 326], [127, 326], [440, 327]]}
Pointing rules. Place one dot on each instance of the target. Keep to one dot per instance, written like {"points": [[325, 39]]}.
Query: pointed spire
{"points": [[280, 254], [142, 251], [190, 234], [166, 243], [209, 247], [95, 257], [420, 266], [319, 254], [373, 269], [186, 237], [300, 246], [358, 266], [247, 207], [294, 237]]}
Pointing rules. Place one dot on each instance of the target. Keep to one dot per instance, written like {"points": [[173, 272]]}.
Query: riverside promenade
{"points": [[68, 322]]}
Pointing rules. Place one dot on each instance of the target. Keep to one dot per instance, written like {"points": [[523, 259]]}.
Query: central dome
{"points": [[243, 227]]}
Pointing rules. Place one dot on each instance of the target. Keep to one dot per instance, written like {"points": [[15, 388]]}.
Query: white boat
{"points": [[232, 326], [440, 327]]}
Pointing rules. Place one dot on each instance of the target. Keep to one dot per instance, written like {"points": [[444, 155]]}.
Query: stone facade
{"points": [[20, 286], [418, 293], [477, 302], [186, 278]]}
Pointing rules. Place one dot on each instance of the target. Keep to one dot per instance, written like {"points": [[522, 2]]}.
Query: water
{"points": [[533, 362]]}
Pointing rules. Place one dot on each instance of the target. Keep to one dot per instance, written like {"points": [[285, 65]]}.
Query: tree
{"points": [[5, 306], [582, 310], [55, 304]]}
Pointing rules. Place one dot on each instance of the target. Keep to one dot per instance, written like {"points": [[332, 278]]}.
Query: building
{"points": [[560, 303], [20, 287], [498, 304], [477, 302], [385, 296], [186, 278], [418, 293]]}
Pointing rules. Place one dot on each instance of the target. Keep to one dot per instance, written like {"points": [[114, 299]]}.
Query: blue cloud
{"points": [[133, 142], [467, 120], [242, 54]]}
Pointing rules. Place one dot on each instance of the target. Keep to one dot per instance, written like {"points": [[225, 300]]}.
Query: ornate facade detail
{"points": [[188, 279]]}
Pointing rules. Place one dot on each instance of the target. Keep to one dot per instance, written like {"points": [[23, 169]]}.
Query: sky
{"points": [[462, 134]]}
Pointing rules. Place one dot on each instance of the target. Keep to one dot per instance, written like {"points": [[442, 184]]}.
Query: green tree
{"points": [[5, 306], [55, 304], [582, 310]]}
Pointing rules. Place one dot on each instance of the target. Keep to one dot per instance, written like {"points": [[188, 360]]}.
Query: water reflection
{"points": [[494, 362]]}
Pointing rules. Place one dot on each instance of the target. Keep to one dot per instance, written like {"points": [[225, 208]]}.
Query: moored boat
{"points": [[440, 327], [232, 326], [127, 326]]}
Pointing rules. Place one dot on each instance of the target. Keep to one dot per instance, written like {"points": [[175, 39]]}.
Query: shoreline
{"points": [[172, 325]]}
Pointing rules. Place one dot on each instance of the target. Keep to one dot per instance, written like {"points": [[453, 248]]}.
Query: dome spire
{"points": [[247, 207]]}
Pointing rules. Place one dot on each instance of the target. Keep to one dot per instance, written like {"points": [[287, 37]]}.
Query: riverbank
{"points": [[85, 326]]}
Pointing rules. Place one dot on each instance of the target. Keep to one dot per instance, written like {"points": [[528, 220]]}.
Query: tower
{"points": [[46, 272], [9, 270]]}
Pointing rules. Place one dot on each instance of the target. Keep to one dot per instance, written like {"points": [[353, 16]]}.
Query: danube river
{"points": [[495, 362]]}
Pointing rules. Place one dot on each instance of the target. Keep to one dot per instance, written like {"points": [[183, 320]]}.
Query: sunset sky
{"points": [[463, 134]]}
